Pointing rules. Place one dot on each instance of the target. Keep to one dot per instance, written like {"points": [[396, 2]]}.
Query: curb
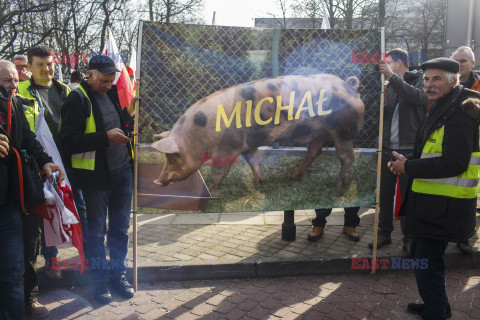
{"points": [[250, 268]]}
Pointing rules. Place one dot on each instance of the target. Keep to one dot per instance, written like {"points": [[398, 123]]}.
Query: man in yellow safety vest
{"points": [[93, 136], [443, 181]]}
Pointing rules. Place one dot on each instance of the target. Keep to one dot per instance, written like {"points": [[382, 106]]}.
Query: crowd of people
{"points": [[430, 127], [89, 129]]}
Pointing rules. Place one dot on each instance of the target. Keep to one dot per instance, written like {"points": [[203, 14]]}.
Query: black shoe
{"points": [[465, 247], [381, 241], [417, 308], [102, 294], [122, 286]]}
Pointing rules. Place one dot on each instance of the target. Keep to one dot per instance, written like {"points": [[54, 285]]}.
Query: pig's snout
{"points": [[158, 182]]}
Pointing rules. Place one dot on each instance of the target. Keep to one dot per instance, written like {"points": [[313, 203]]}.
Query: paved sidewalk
{"points": [[249, 245], [354, 296]]}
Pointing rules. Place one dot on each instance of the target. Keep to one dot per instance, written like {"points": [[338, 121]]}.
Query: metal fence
{"points": [[181, 64]]}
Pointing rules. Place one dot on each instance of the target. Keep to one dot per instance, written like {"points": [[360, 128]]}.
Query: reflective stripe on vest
{"points": [[85, 160], [463, 186]]}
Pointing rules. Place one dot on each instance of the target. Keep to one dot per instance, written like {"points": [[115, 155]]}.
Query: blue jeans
{"points": [[351, 218], [12, 305], [431, 281], [117, 202]]}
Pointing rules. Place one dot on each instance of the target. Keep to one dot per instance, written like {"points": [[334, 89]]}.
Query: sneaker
{"points": [[381, 241], [55, 273], [315, 234], [417, 308], [102, 293], [122, 286], [465, 247], [351, 233], [36, 310]]}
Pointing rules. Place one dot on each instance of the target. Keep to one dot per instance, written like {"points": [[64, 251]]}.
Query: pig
{"points": [[237, 120]]}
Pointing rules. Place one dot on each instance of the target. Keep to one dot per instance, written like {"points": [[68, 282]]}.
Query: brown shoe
{"points": [[315, 234], [36, 310], [53, 274], [351, 233]]}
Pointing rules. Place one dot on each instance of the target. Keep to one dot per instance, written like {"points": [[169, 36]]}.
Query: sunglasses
{"points": [[20, 67]]}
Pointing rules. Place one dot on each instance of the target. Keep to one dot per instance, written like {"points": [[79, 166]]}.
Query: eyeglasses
{"points": [[20, 66]]}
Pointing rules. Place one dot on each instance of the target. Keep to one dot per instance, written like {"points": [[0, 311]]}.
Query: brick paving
{"points": [[350, 296], [193, 239]]}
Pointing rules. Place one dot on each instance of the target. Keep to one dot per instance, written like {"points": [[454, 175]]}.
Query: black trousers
{"points": [[387, 193], [351, 218], [31, 248], [431, 281]]}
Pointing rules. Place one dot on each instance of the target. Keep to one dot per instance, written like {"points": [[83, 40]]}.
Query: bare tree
{"points": [[19, 31], [173, 10]]}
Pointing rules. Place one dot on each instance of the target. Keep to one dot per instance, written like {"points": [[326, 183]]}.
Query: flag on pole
{"points": [[122, 80], [325, 21], [132, 67], [60, 75]]}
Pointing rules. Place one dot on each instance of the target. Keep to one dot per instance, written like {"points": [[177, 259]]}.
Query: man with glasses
{"points": [[21, 64]]}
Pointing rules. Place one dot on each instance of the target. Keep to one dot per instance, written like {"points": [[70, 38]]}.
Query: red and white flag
{"points": [[122, 80], [132, 66]]}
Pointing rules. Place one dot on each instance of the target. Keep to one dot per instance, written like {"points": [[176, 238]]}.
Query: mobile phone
{"points": [[390, 155]]}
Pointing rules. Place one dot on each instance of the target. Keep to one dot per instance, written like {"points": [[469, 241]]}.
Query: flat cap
{"points": [[446, 64], [102, 63]]}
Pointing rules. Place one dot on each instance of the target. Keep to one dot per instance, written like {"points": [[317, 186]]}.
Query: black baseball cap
{"points": [[102, 63]]}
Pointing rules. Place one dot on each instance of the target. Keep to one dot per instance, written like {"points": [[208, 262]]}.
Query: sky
{"points": [[239, 13]]}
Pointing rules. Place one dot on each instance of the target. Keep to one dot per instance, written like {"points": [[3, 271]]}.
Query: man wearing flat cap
{"points": [[443, 176], [93, 136]]}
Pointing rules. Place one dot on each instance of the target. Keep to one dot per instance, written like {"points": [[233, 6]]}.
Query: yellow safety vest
{"points": [[463, 186], [85, 160], [32, 112]]}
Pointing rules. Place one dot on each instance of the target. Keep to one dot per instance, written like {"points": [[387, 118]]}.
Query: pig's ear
{"points": [[166, 145], [161, 135]]}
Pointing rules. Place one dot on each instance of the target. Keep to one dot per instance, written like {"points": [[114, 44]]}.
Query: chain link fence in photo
{"points": [[181, 64]]}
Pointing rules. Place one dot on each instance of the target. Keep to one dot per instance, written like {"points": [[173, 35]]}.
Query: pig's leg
{"points": [[314, 150], [219, 172], [344, 150], [253, 159]]}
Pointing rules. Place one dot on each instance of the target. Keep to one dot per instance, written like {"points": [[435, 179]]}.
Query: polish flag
{"points": [[122, 80], [397, 202], [132, 66]]}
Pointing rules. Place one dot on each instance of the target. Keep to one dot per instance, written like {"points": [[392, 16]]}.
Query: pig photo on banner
{"points": [[248, 119]]}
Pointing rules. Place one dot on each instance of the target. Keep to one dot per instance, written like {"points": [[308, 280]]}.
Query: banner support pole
{"points": [[379, 156], [135, 162]]}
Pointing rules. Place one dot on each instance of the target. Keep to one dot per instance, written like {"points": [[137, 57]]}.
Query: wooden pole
{"points": [[379, 156], [135, 161], [135, 195]]}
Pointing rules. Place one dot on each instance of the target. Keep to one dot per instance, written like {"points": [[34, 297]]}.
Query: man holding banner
{"points": [[405, 103], [443, 180], [97, 149]]}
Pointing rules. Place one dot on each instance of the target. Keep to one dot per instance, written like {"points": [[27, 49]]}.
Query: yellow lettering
{"points": [[248, 116], [228, 122], [306, 98], [258, 119], [289, 107], [321, 100]]}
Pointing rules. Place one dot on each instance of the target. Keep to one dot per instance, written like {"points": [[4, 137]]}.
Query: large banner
{"points": [[248, 119]]}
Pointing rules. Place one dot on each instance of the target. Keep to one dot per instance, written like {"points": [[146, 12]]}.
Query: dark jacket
{"points": [[408, 92], [21, 135], [441, 217], [73, 139]]}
